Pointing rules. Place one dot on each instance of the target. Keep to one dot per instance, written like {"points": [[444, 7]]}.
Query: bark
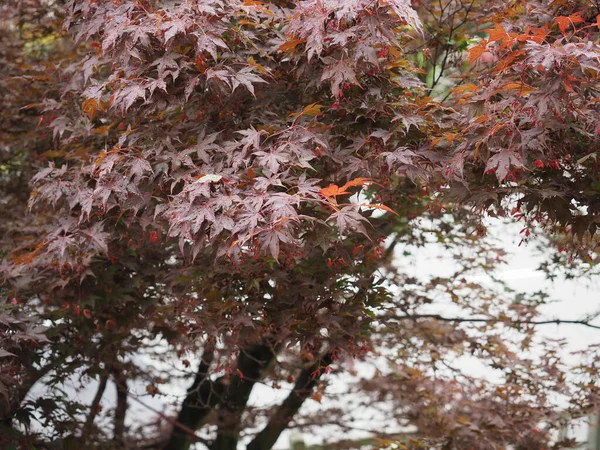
{"points": [[250, 366], [89, 423], [201, 398], [279, 421], [121, 408]]}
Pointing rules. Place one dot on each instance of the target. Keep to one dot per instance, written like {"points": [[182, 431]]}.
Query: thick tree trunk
{"points": [[201, 398], [251, 364], [305, 384], [121, 408], [230, 394], [89, 423]]}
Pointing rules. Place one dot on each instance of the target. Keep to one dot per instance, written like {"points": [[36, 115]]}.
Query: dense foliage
{"points": [[234, 182]]}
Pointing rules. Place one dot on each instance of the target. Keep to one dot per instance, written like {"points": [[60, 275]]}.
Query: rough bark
{"points": [[121, 408], [89, 423], [251, 364], [279, 421], [201, 398]]}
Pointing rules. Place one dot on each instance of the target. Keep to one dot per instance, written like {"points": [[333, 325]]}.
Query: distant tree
{"points": [[233, 179]]}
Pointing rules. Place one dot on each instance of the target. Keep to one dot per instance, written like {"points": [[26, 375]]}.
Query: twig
{"points": [[493, 320], [170, 420]]}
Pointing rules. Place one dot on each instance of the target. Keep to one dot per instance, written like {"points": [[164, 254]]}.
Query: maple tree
{"points": [[233, 179]]}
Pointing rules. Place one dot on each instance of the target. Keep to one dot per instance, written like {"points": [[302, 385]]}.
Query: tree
{"points": [[235, 176]]}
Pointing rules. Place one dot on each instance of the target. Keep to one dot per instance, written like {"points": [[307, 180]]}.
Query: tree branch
{"points": [[89, 423], [161, 441], [250, 365], [8, 410], [493, 320], [121, 408], [279, 421], [201, 398]]}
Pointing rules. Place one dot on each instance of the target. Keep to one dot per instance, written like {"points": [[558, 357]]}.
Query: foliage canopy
{"points": [[235, 178]]}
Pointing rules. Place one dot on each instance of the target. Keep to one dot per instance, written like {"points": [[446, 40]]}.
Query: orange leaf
{"points": [[476, 51], [54, 153], [598, 20], [260, 6], [471, 87], [450, 137], [256, 65], [538, 35], [522, 88], [101, 130], [357, 182], [382, 207], [564, 22], [312, 110], [27, 257], [509, 59], [498, 33], [89, 107], [332, 190], [436, 141], [290, 45]]}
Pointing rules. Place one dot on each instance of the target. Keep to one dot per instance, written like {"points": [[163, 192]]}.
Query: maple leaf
{"points": [[501, 163], [404, 11], [89, 107], [156, 84], [139, 167], [338, 72], [206, 144], [348, 218], [209, 42], [334, 190], [357, 182], [290, 45], [476, 51], [60, 125], [172, 28], [271, 239], [498, 33], [61, 245], [380, 207], [521, 88], [272, 160], [245, 77], [307, 26], [564, 22], [251, 138], [130, 94], [219, 74], [312, 110], [98, 237], [167, 65]]}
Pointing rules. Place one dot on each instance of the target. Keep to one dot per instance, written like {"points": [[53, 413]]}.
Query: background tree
{"points": [[233, 178]]}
